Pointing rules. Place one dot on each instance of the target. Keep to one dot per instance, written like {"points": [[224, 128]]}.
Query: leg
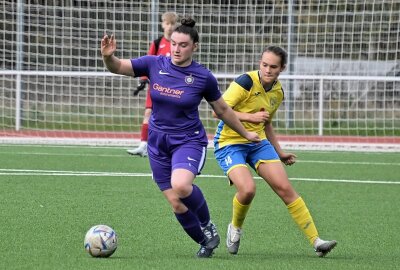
{"points": [[192, 198], [187, 162], [141, 150], [145, 125], [160, 163], [275, 176], [241, 177], [189, 154], [186, 218], [146, 118], [232, 160], [246, 190]]}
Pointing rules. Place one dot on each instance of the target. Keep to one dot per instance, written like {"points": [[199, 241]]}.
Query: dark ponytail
{"points": [[187, 27]]}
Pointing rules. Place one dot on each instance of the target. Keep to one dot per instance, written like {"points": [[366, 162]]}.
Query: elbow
{"points": [[110, 68], [214, 115]]}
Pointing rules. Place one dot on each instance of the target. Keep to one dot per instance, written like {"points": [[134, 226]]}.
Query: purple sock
{"points": [[191, 226], [198, 205]]}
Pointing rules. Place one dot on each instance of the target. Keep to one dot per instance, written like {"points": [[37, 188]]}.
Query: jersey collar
{"points": [[259, 79]]}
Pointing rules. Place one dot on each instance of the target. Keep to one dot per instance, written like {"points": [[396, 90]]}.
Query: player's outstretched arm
{"points": [[113, 63]]}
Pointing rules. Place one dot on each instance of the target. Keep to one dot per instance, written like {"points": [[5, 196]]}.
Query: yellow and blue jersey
{"points": [[246, 94]]}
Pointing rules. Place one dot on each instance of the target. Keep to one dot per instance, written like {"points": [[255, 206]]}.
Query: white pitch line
{"points": [[72, 174], [120, 174], [212, 158], [347, 162], [325, 180]]}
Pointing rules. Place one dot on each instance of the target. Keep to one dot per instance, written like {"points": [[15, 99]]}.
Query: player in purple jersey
{"points": [[177, 140]]}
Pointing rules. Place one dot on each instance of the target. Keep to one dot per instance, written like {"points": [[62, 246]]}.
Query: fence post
{"points": [[20, 59], [321, 108]]}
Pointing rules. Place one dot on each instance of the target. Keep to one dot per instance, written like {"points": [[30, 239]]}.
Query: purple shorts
{"points": [[175, 151]]}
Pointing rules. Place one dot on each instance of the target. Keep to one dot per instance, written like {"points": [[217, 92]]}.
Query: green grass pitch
{"points": [[51, 195]]}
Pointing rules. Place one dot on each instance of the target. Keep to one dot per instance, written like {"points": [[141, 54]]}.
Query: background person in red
{"points": [[160, 46]]}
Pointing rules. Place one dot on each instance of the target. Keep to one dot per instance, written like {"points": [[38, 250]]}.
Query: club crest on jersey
{"points": [[189, 79], [273, 101]]}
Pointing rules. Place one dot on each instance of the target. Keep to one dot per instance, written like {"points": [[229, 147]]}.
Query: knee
{"points": [[247, 193], [182, 189], [286, 192], [177, 206]]}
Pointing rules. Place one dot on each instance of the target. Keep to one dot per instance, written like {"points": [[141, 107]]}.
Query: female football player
{"points": [[255, 96], [177, 140]]}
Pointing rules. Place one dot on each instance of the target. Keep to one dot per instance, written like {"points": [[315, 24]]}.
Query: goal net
{"points": [[342, 83]]}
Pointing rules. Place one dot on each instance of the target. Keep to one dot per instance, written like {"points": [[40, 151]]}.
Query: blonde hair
{"points": [[170, 17]]}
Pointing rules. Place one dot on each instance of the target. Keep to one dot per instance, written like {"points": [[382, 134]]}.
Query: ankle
{"points": [[143, 144]]}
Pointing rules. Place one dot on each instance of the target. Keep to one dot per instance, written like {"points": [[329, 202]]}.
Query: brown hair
{"points": [[279, 52], [187, 27]]}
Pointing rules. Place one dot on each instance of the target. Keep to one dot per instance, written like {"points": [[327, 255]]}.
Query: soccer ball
{"points": [[101, 241]]}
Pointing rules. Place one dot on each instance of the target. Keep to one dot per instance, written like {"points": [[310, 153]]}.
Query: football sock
{"points": [[239, 212], [198, 205], [191, 225], [300, 214], [145, 132]]}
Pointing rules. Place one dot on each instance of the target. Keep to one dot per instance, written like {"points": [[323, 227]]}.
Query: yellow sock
{"points": [[300, 214], [239, 212]]}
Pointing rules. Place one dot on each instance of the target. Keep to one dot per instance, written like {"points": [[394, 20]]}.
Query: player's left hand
{"points": [[259, 117], [288, 158]]}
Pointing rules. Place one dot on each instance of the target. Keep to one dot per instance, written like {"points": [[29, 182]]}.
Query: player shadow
{"points": [[277, 256]]}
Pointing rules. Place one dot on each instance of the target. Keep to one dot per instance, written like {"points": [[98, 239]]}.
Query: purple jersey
{"points": [[176, 92]]}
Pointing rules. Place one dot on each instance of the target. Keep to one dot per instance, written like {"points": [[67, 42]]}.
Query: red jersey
{"points": [[164, 47]]}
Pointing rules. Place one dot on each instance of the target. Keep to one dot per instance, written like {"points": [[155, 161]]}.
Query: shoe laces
{"points": [[203, 250], [318, 243], [234, 234], [210, 231]]}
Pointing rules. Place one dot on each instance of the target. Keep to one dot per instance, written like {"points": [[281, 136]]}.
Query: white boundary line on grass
{"points": [[326, 146], [118, 174], [124, 155]]}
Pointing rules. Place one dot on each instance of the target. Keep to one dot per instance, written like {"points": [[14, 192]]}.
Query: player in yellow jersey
{"points": [[255, 96]]}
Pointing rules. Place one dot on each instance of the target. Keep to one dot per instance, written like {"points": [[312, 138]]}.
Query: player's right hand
{"points": [[288, 158], [141, 86], [108, 45]]}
